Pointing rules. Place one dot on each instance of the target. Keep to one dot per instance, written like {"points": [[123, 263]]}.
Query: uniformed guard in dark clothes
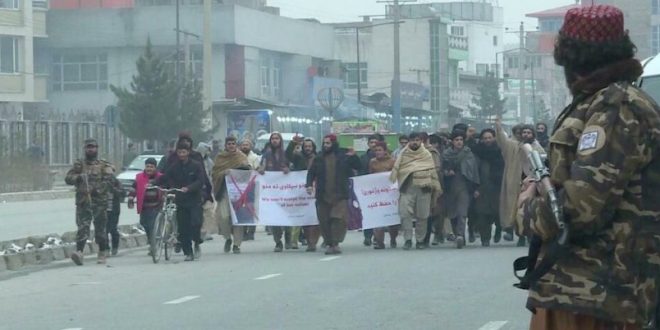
{"points": [[93, 179], [604, 158]]}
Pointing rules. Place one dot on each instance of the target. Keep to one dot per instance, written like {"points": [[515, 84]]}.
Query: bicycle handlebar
{"points": [[166, 190]]}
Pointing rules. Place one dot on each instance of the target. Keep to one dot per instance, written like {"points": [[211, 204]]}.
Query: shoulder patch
{"points": [[592, 140]]}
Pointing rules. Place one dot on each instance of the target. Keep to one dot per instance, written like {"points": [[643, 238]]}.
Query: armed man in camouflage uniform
{"points": [[93, 179], [605, 163]]}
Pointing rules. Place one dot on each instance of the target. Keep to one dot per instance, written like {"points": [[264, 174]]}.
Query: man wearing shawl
{"points": [[419, 184], [462, 179], [227, 160]]}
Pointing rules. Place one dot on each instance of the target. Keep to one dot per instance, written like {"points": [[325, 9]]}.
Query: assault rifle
{"points": [[557, 248]]}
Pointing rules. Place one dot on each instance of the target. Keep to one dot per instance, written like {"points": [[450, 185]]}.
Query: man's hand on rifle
{"points": [[530, 190]]}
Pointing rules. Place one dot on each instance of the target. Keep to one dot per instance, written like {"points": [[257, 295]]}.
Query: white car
{"points": [[650, 79], [136, 166]]}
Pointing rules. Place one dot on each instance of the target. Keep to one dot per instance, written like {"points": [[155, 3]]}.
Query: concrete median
{"points": [[42, 253]]}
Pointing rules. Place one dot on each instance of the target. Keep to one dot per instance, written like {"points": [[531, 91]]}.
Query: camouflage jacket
{"points": [[605, 162], [100, 180]]}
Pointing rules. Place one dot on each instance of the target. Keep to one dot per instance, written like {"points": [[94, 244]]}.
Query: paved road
{"points": [[22, 219], [439, 288]]}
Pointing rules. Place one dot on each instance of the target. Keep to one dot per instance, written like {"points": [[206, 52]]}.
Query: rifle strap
{"points": [[534, 271]]}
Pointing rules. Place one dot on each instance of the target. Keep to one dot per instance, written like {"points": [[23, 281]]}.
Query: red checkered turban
{"points": [[594, 24], [332, 137]]}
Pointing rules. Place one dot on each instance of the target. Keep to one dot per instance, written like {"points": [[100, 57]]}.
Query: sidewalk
{"points": [[59, 191]]}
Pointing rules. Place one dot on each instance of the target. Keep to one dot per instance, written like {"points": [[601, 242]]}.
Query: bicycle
{"points": [[164, 235]]}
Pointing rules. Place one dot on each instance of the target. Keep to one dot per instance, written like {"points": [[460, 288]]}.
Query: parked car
{"points": [[650, 79], [127, 177]]}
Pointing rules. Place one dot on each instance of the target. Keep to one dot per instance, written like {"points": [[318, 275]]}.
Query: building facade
{"points": [[22, 78], [260, 59]]}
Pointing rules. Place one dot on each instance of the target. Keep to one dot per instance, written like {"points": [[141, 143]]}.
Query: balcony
{"points": [[458, 48], [12, 83], [11, 17]]}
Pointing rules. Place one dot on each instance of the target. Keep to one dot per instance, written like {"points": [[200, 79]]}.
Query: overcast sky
{"points": [[350, 10]]}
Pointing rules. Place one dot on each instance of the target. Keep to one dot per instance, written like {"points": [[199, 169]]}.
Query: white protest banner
{"points": [[241, 186], [378, 200], [283, 200]]}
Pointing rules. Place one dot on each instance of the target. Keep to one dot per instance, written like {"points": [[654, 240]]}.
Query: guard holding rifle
{"points": [[93, 179], [599, 262]]}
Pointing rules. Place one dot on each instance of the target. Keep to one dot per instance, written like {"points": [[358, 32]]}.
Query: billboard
{"points": [[248, 124]]}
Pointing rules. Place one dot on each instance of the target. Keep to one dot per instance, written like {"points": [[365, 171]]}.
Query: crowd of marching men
{"points": [[458, 186]]}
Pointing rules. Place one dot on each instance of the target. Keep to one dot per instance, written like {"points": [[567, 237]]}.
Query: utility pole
{"points": [[207, 66], [177, 69], [521, 70], [359, 72], [396, 79], [534, 114]]}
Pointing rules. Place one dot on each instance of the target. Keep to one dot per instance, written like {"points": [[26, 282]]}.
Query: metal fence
{"points": [[34, 154]]}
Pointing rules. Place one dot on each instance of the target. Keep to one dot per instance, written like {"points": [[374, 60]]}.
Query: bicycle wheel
{"points": [[157, 238], [168, 239]]}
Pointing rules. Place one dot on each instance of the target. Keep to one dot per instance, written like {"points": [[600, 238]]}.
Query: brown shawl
{"points": [[226, 161]]}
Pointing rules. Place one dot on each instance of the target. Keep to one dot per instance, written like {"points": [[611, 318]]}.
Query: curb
{"points": [[36, 195], [18, 261]]}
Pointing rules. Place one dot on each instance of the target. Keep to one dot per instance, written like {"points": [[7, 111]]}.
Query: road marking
{"points": [[265, 277], [330, 258], [73, 329], [180, 300], [493, 325], [86, 283]]}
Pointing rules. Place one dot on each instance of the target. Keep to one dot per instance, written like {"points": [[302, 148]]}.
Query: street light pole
{"points": [[396, 81], [359, 72]]}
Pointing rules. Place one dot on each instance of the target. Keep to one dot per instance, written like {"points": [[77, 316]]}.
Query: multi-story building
{"points": [[475, 36], [533, 83], [445, 48], [260, 60], [22, 78], [422, 41]]}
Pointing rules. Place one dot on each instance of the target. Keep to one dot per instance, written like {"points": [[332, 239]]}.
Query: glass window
{"points": [[10, 4], [8, 54], [80, 72], [655, 7], [351, 78], [494, 40], [40, 4], [458, 30]]}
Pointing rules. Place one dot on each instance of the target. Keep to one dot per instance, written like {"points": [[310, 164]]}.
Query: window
{"points": [[351, 78], [655, 7], [196, 64], [9, 4], [512, 62], [533, 61], [270, 74], [80, 72], [494, 40], [458, 30], [9, 54], [655, 39], [40, 4], [551, 25]]}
